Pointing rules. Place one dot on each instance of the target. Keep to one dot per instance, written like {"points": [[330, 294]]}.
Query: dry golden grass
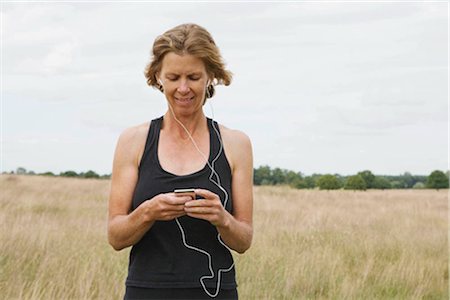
{"points": [[308, 244]]}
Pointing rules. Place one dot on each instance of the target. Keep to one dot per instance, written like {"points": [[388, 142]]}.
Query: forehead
{"points": [[181, 64]]}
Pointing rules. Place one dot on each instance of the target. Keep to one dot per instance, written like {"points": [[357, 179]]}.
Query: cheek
{"points": [[199, 88]]}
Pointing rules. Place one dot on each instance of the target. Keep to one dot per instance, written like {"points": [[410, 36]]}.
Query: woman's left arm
{"points": [[236, 230]]}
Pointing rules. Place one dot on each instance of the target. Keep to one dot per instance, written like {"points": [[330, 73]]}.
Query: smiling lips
{"points": [[184, 99]]}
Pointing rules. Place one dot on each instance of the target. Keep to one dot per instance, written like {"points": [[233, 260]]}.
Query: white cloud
{"points": [[319, 87], [59, 58]]}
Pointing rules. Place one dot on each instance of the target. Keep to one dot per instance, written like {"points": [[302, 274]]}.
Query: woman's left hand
{"points": [[210, 208]]}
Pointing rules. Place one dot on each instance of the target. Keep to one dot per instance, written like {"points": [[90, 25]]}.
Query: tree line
{"points": [[88, 174], [363, 180], [265, 175]]}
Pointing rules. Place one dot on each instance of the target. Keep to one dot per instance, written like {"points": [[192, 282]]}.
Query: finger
{"points": [[178, 200], [199, 210], [205, 193], [203, 202], [175, 208], [191, 195], [173, 216], [206, 217], [212, 218]]}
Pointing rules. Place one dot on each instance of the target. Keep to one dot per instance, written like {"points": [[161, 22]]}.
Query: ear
{"points": [[158, 79]]}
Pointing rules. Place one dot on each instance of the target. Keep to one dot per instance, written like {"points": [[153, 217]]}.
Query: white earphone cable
{"points": [[218, 184]]}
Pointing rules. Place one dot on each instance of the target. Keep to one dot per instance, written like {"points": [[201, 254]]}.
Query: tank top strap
{"points": [[151, 142], [215, 137]]}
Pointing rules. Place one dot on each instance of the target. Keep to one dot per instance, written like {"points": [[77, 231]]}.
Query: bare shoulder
{"points": [[237, 145], [134, 133], [237, 138], [131, 142]]}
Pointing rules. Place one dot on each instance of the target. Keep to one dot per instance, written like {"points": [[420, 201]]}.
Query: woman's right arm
{"points": [[126, 228]]}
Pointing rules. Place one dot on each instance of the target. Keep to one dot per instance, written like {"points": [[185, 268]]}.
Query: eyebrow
{"points": [[189, 74]]}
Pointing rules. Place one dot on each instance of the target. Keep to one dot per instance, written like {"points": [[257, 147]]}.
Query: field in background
{"points": [[308, 244]]}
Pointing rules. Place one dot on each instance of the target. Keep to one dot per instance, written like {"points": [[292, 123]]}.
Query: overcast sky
{"points": [[318, 87]]}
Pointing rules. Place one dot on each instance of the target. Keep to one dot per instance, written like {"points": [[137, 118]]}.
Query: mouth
{"points": [[185, 99]]}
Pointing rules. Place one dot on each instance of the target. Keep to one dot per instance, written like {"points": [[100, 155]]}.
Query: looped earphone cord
{"points": [[218, 184]]}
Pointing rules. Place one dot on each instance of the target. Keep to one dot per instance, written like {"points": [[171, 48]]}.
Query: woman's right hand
{"points": [[165, 207]]}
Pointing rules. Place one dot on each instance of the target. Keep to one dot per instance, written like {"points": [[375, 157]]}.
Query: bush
{"points": [[381, 183], [69, 174], [437, 180], [21, 171], [47, 174], [90, 174], [355, 182], [328, 182], [419, 185], [368, 178]]}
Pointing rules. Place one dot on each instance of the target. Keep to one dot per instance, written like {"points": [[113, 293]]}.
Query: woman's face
{"points": [[184, 79]]}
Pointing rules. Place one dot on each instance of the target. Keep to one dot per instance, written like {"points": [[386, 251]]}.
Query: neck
{"points": [[192, 123]]}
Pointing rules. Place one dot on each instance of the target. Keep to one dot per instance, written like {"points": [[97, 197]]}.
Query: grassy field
{"points": [[308, 244]]}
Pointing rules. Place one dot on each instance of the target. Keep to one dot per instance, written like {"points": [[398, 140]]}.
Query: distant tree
{"points": [[408, 180], [355, 182], [341, 179], [298, 184], [368, 178], [397, 184], [90, 174], [278, 176], [69, 174], [307, 183], [47, 174], [381, 183], [419, 185], [292, 178], [437, 180], [328, 182], [262, 175], [21, 171]]}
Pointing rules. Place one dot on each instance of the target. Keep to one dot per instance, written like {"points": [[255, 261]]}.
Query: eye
{"points": [[194, 78], [173, 78]]}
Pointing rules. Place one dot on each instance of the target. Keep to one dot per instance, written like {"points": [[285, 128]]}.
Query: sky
{"points": [[323, 87]]}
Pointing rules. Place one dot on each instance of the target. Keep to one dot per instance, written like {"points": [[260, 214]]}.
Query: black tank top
{"points": [[160, 259]]}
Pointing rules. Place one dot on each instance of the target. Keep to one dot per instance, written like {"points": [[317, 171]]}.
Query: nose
{"points": [[183, 88]]}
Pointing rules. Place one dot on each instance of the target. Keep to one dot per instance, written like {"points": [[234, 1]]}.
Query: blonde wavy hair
{"points": [[188, 39]]}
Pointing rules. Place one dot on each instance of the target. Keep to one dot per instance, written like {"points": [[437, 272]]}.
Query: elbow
{"points": [[115, 244], [245, 246], [243, 249]]}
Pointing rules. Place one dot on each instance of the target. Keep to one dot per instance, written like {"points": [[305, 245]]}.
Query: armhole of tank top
{"points": [[223, 145], [150, 136]]}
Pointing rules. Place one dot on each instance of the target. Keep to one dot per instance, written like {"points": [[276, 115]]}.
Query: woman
{"points": [[181, 241]]}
